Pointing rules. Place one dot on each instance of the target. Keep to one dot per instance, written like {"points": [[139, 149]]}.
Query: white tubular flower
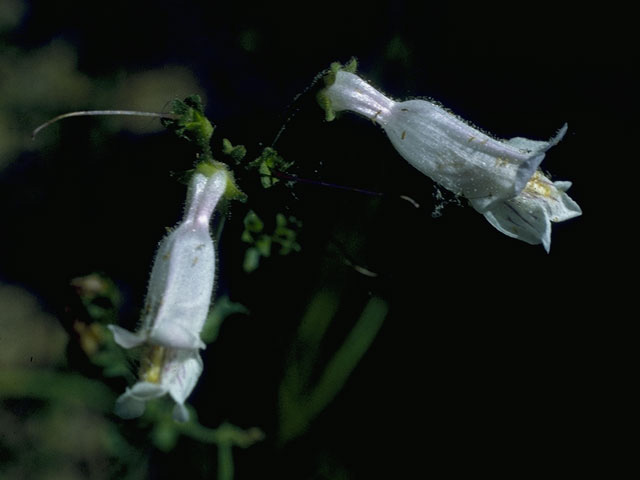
{"points": [[177, 302], [486, 171]]}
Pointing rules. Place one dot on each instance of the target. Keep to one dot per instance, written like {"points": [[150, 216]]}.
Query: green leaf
{"points": [[263, 244], [268, 164], [300, 403], [252, 222], [237, 152], [222, 308], [251, 260]]}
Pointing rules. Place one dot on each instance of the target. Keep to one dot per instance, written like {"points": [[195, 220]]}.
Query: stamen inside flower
{"points": [[538, 186], [151, 367]]}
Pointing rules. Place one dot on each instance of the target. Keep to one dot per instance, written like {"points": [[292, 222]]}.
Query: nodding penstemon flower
{"points": [[177, 303], [500, 179]]}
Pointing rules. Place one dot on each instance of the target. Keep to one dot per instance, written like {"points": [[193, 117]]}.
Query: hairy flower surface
{"points": [[495, 176], [177, 304]]}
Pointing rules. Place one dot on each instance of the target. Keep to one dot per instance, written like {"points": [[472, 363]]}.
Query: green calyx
{"points": [[351, 66], [329, 79], [232, 191], [191, 124], [269, 164], [236, 152]]}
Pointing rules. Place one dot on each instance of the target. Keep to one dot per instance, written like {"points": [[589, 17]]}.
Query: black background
{"points": [[495, 357]]}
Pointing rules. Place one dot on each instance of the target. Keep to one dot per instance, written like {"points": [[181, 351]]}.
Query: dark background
{"points": [[495, 357]]}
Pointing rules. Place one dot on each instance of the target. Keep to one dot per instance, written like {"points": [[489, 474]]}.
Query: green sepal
{"points": [[268, 162], [251, 260], [329, 79], [222, 308], [236, 152], [232, 191], [191, 124], [325, 104], [351, 66]]}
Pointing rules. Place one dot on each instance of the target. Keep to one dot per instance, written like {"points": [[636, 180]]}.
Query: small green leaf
{"points": [[222, 308], [263, 244], [252, 222], [268, 164], [192, 124], [251, 260], [237, 152], [246, 237]]}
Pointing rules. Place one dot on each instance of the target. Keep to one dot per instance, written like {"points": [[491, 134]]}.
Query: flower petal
{"points": [[125, 338], [147, 390], [132, 402], [530, 225], [128, 407], [181, 372], [528, 216], [563, 207]]}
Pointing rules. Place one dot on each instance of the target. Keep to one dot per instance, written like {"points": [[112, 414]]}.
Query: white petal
{"points": [[528, 216], [530, 225], [174, 335], [125, 338], [147, 390], [128, 407], [563, 207], [181, 372], [563, 186], [132, 402], [536, 145]]}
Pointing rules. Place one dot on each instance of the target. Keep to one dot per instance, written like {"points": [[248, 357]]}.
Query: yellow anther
{"points": [[151, 367]]}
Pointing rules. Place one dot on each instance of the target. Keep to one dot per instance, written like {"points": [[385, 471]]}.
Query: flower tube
{"points": [[464, 160], [177, 303]]}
